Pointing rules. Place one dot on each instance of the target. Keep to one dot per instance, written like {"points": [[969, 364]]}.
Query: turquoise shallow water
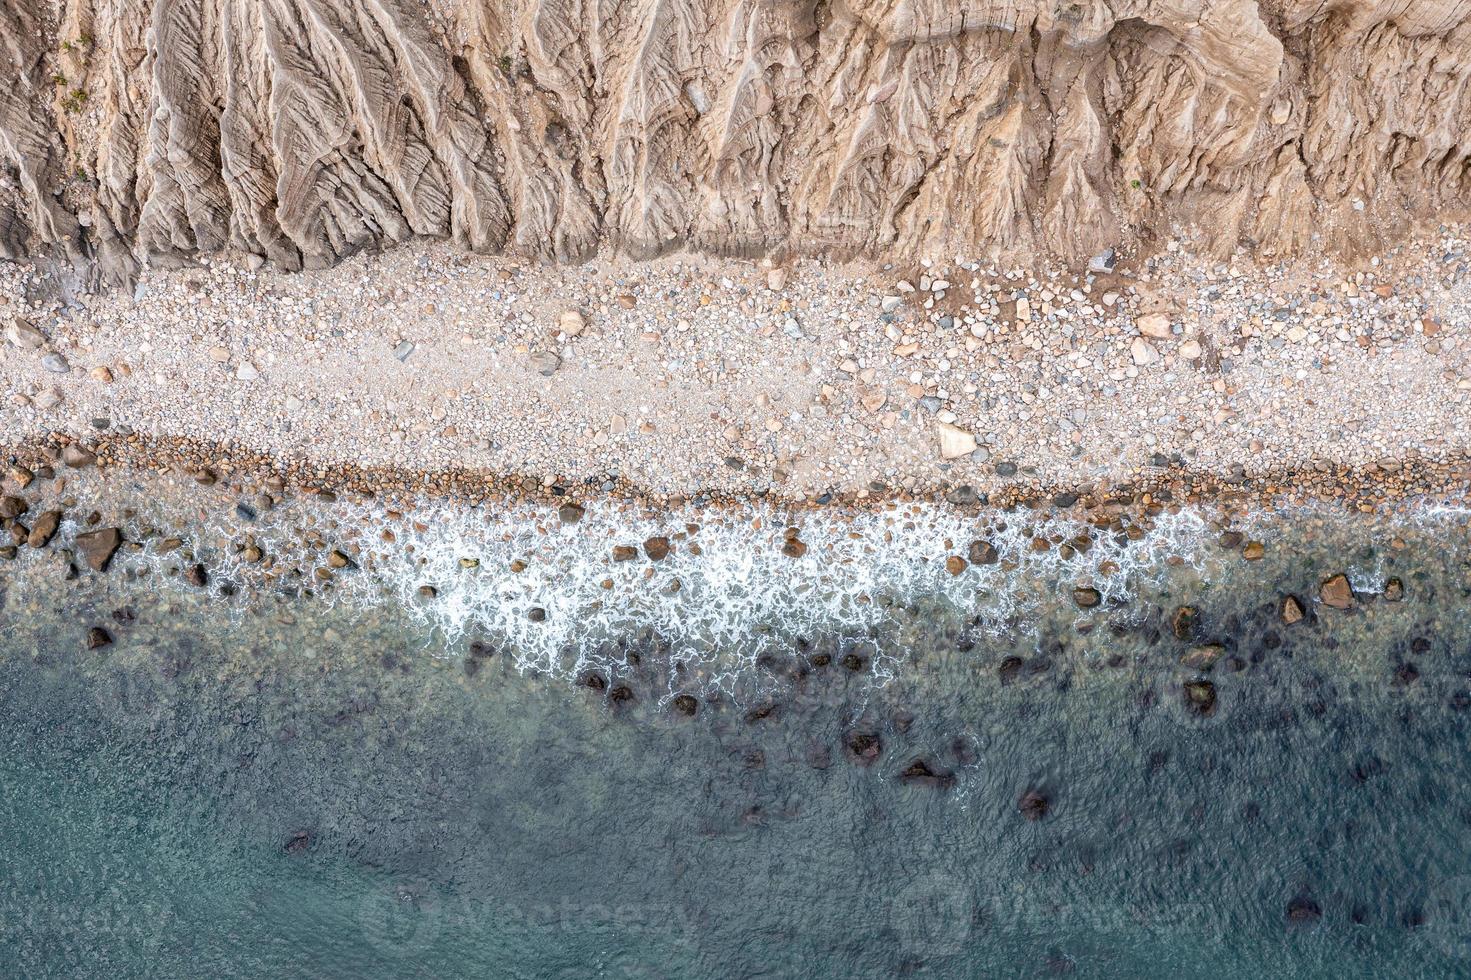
{"points": [[317, 787]]}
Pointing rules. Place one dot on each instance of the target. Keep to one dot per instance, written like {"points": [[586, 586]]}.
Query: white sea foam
{"points": [[725, 595], [720, 605]]}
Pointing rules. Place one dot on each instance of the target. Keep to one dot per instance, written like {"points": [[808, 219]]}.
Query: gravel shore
{"points": [[692, 375]]}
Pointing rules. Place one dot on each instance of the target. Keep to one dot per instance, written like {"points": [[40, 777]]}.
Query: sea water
{"points": [[850, 763]]}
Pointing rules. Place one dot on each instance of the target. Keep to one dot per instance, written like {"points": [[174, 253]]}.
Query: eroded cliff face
{"points": [[301, 130]]}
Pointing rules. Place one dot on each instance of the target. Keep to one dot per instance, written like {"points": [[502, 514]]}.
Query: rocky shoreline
{"points": [[1377, 487]]}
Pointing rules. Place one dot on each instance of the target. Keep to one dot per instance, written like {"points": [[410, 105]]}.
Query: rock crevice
{"points": [[302, 130]]}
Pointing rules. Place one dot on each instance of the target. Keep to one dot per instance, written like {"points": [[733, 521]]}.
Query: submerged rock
{"points": [[1203, 657], [98, 637], [96, 548], [922, 772], [1337, 592], [1087, 597], [1183, 622], [1033, 805], [862, 746], [44, 529], [1303, 910], [982, 553], [1200, 698]]}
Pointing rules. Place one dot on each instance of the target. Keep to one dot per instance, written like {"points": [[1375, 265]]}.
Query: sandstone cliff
{"points": [[134, 130]]}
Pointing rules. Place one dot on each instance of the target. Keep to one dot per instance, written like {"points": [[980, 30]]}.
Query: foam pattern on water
{"points": [[715, 608]]}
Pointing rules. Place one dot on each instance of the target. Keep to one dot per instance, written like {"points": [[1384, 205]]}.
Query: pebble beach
{"points": [[427, 368]]}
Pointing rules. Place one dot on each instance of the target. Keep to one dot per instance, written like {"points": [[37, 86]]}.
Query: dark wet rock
{"points": [[570, 513], [244, 511], [657, 548], [982, 553], [1336, 592], [12, 507], [963, 751], [761, 713], [536, 614], [96, 548], [1291, 610], [1394, 590], [593, 680], [862, 746], [963, 496], [1184, 621], [1006, 469], [1420, 644], [821, 659], [624, 552], [924, 772], [1203, 657], [425, 591], [793, 548], [44, 529], [1087, 597], [621, 694], [77, 456], [98, 637], [1231, 540], [1009, 669], [1406, 674], [1303, 911], [1200, 698], [1064, 500], [196, 575], [1033, 805], [854, 662], [685, 704], [298, 842]]}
